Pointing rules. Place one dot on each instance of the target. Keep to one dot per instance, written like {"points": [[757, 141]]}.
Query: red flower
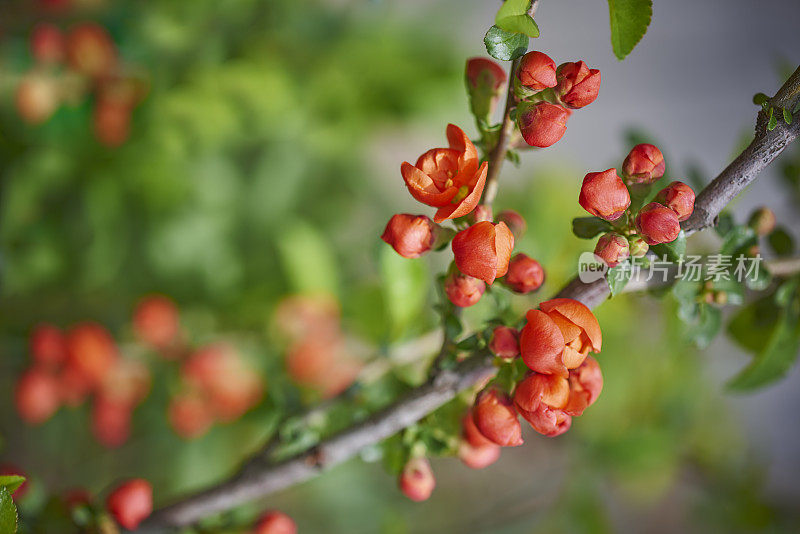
{"points": [[657, 224], [505, 342], [496, 419], [36, 396], [578, 85], [47, 346], [537, 71], [612, 248], [644, 164], [540, 399], [478, 457], [604, 195], [541, 123], [524, 274], [416, 480], [585, 385], [447, 178], [678, 197], [131, 503], [483, 250], [111, 421], [558, 336], [515, 222], [47, 43], [92, 352], [155, 321], [411, 236], [484, 78], [90, 50], [275, 523], [190, 414]]}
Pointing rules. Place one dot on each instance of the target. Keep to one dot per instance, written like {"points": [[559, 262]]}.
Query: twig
{"points": [[258, 480]]}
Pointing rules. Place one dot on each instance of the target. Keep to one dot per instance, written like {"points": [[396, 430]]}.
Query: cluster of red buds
{"points": [[607, 195], [547, 94], [70, 367], [69, 66], [318, 356], [452, 180], [561, 382]]}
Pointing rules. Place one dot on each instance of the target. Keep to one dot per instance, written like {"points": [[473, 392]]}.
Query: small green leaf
{"points": [[618, 277], [674, 250], [758, 280], [787, 116], [759, 99], [737, 240], [777, 357], [773, 122], [8, 512], [11, 482], [629, 22], [781, 242], [504, 45], [725, 224], [588, 227], [513, 17], [752, 325], [705, 326]]}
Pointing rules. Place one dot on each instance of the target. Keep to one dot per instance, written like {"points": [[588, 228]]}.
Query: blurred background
{"points": [[192, 193]]}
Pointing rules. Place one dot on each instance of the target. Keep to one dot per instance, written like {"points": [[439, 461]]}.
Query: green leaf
{"points": [[674, 250], [759, 99], [629, 22], [513, 17], [737, 240], [8, 512], [787, 116], [777, 357], [781, 242], [773, 122], [588, 227], [706, 325], [405, 286], [504, 45], [618, 277], [758, 280], [725, 224], [308, 259], [11, 482], [753, 324]]}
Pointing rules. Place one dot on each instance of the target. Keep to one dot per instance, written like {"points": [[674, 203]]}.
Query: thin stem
{"points": [[498, 153]]}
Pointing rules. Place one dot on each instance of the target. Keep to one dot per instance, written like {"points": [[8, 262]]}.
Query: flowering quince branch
{"points": [[542, 372]]}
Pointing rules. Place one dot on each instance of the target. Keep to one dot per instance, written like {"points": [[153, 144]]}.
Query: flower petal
{"points": [[542, 344], [474, 251], [503, 245], [578, 313], [422, 188], [458, 140], [451, 211]]}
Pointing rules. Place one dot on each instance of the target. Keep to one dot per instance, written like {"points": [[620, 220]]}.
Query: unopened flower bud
{"points": [[537, 71], [657, 224], [612, 248], [578, 85], [131, 503], [496, 419], [585, 385], [36, 396], [411, 236], [47, 43], [417, 480], [484, 79], [525, 274], [275, 523], [762, 221], [644, 164], [505, 342], [604, 195], [678, 197], [638, 247], [515, 222], [478, 457], [541, 124], [462, 290], [481, 213], [483, 250], [540, 399]]}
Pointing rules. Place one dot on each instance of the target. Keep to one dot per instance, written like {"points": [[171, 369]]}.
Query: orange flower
{"points": [[416, 480], [541, 400], [643, 165], [411, 236], [495, 418], [678, 197], [585, 385], [604, 195], [483, 250], [558, 336], [505, 342], [447, 178]]}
